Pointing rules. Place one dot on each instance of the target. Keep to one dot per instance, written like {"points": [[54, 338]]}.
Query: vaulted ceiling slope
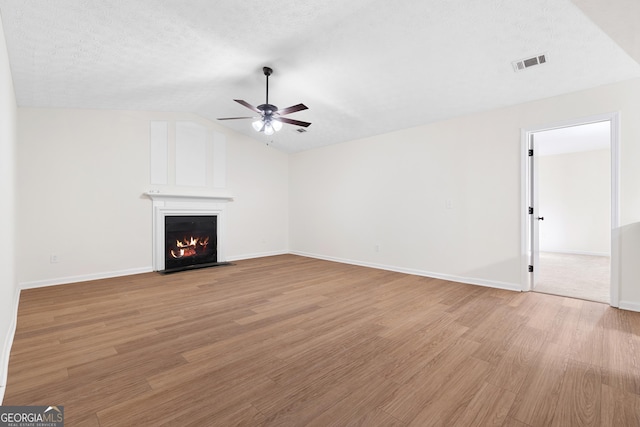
{"points": [[363, 67]]}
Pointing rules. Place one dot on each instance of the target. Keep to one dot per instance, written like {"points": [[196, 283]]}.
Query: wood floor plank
{"points": [[172, 406], [564, 325], [300, 406], [489, 407], [453, 398], [376, 418], [425, 386], [580, 396], [619, 407], [537, 400], [621, 346], [357, 403], [588, 341], [510, 422], [414, 356], [622, 380], [289, 341], [317, 376], [511, 370]]}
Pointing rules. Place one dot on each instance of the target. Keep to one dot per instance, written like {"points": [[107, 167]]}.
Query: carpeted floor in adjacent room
{"points": [[578, 276]]}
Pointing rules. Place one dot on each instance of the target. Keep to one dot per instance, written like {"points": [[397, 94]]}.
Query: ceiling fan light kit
{"points": [[270, 120], [267, 127]]}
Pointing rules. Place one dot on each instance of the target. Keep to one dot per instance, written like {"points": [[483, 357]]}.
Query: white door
{"points": [[570, 189], [534, 207]]}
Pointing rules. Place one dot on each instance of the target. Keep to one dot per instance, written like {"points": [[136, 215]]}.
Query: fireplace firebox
{"points": [[190, 242]]}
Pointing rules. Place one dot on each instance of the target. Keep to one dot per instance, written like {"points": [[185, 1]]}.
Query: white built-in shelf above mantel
{"points": [[158, 196]]}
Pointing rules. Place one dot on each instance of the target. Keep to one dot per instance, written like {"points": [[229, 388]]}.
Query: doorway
{"points": [[571, 208]]}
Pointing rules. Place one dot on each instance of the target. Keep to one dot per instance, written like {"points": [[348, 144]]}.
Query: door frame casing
{"points": [[525, 196]]}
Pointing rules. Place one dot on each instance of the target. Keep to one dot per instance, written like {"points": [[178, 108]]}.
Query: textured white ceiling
{"points": [[363, 67]]}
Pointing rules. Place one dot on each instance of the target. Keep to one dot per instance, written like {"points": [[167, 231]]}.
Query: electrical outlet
{"points": [[377, 247], [53, 259]]}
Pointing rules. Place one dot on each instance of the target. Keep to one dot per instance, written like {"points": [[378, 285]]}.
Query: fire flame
{"points": [[189, 246]]}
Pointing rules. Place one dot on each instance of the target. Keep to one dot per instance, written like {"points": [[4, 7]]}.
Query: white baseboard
{"points": [[6, 349], [83, 278], [468, 280], [256, 255], [627, 305], [128, 272], [557, 251]]}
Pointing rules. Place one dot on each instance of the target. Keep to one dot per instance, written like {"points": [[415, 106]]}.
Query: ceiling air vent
{"points": [[523, 64], [301, 130]]}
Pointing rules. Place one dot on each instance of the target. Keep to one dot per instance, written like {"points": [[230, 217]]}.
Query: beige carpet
{"points": [[579, 276]]}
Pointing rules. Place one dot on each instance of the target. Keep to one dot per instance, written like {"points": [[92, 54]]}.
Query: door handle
{"points": [[540, 218]]}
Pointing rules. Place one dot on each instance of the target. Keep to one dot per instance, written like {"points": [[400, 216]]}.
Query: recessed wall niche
{"points": [[186, 154]]}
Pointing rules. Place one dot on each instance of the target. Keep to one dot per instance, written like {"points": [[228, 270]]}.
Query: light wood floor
{"points": [[294, 341]]}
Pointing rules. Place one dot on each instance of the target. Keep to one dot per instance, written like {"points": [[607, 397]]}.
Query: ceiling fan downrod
{"points": [[267, 72]]}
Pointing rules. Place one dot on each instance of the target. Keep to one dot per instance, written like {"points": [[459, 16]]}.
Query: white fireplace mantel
{"points": [[196, 197], [177, 204]]}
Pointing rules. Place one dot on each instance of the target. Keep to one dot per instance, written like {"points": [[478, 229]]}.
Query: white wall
{"points": [[434, 198], [258, 218], [575, 200], [393, 190], [8, 288], [81, 178]]}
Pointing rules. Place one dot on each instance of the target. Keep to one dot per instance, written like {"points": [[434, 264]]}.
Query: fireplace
{"points": [[181, 215], [190, 241]]}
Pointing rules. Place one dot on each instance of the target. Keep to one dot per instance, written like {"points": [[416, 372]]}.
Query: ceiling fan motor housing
{"points": [[267, 109]]}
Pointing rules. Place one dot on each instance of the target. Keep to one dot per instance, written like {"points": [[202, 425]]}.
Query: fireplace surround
{"points": [[184, 205]]}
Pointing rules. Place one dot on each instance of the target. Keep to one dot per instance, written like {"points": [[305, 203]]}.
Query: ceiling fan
{"points": [[270, 119]]}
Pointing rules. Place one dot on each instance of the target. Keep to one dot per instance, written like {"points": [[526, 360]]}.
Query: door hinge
{"points": [[530, 211], [530, 153], [531, 269]]}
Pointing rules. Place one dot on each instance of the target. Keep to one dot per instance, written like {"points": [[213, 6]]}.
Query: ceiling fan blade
{"points": [[249, 106], [235, 118], [292, 122], [292, 109]]}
